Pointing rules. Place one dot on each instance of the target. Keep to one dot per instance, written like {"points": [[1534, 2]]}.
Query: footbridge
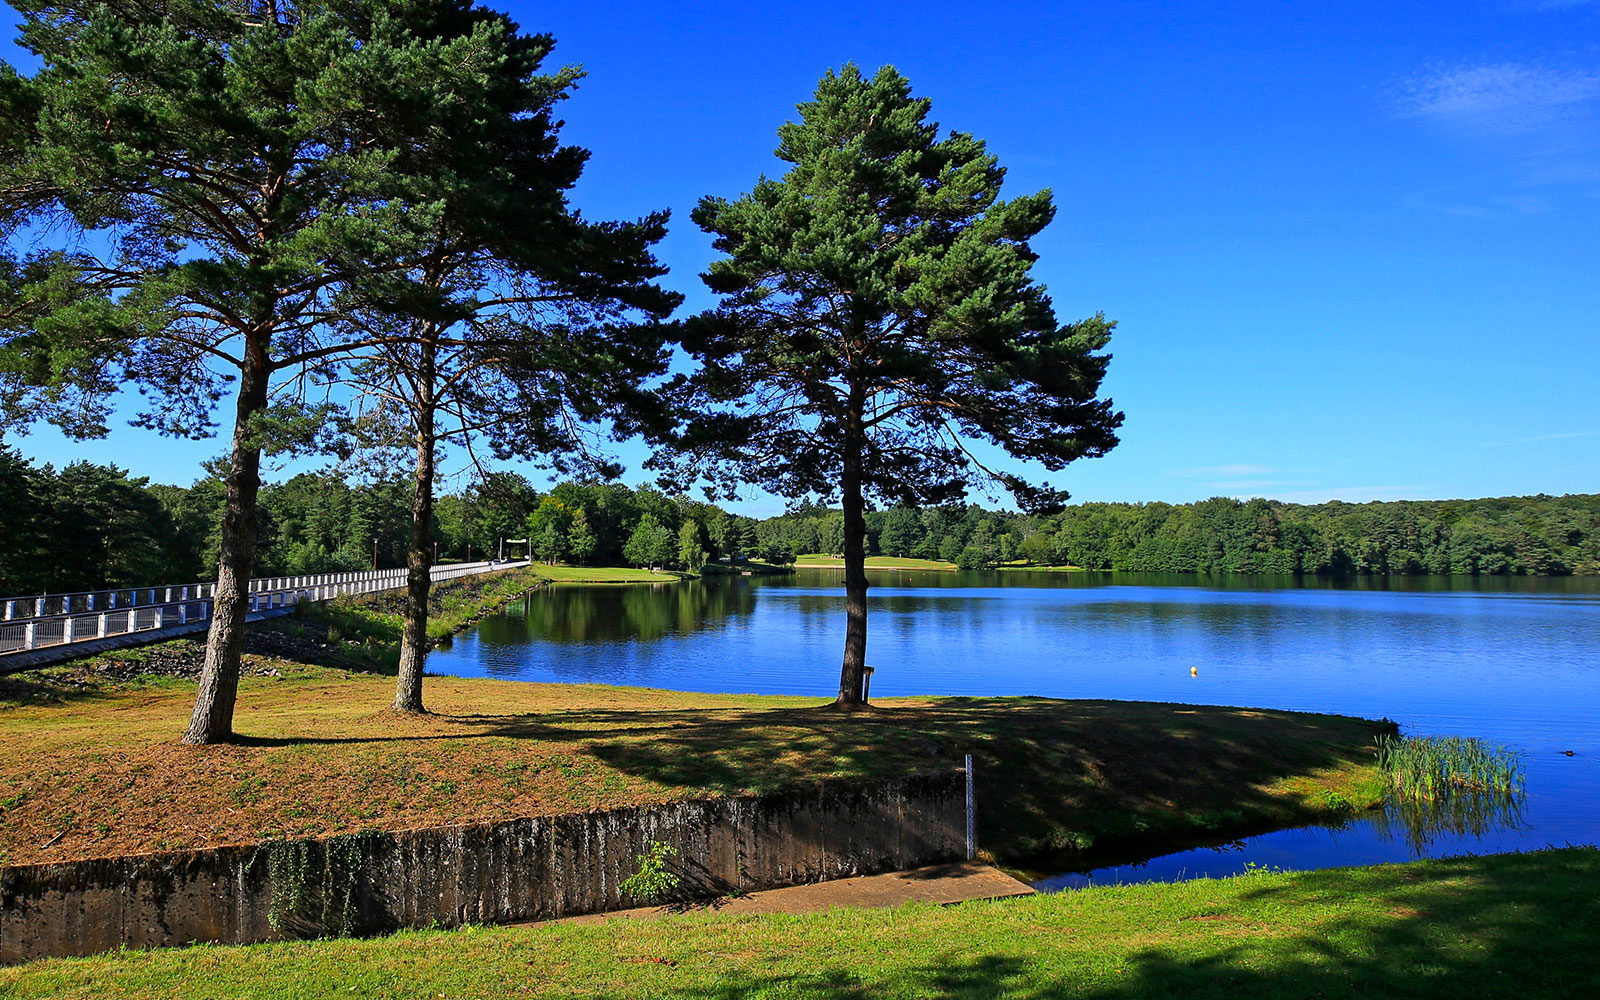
{"points": [[46, 628]]}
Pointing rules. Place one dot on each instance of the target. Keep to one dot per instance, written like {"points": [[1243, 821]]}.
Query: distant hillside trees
{"points": [[1533, 536], [88, 526]]}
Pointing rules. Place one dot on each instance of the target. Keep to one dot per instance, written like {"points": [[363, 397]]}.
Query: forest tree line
{"points": [[86, 526], [1537, 535]]}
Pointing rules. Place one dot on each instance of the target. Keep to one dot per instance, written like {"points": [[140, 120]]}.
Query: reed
{"points": [[1438, 767]]}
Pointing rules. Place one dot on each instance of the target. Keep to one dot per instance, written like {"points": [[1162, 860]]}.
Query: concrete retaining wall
{"points": [[523, 869]]}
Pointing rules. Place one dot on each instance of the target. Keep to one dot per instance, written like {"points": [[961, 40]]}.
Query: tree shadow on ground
{"points": [[1516, 926], [1047, 771]]}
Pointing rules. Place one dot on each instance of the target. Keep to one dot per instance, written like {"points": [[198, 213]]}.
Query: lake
{"points": [[1514, 661]]}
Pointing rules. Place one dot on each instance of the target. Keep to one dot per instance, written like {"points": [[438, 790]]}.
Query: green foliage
{"points": [[649, 545], [316, 883], [654, 882], [1504, 536], [549, 545], [580, 539], [877, 307], [691, 554], [1434, 767]]}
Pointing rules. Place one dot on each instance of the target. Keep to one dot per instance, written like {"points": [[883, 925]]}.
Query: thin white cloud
{"points": [[1221, 470], [1350, 494], [1558, 436], [1259, 485], [1502, 99]]}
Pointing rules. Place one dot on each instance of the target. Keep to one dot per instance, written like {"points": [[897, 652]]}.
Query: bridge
{"points": [[46, 628]]}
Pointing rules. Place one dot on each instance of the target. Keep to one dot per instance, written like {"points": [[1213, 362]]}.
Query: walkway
{"points": [[43, 629], [957, 882]]}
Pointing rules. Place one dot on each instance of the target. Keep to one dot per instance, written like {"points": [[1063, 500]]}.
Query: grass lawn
{"points": [[94, 768], [875, 562], [601, 574], [1519, 926]]}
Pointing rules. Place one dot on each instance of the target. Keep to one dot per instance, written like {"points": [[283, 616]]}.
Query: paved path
{"points": [[957, 882]]}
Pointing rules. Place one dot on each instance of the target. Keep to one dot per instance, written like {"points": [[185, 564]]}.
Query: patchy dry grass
{"points": [[93, 769]]}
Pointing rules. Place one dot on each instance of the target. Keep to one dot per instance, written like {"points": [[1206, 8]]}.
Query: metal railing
{"points": [[61, 619]]}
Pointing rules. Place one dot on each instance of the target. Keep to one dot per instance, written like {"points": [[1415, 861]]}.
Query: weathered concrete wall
{"points": [[523, 869]]}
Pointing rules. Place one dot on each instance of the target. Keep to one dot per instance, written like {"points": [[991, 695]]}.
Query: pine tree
{"points": [[877, 319], [691, 554], [580, 538], [251, 169], [549, 546]]}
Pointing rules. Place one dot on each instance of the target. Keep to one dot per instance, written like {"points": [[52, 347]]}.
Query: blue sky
{"points": [[1353, 249]]}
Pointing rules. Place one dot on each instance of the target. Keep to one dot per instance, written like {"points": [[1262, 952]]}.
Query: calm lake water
{"points": [[1512, 661]]}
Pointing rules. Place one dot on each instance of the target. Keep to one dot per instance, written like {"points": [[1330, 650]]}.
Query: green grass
{"points": [[814, 559], [1520, 926], [600, 574], [1429, 767]]}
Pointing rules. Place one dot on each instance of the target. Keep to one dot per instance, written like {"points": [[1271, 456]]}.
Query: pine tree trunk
{"points": [[852, 676], [212, 721], [419, 582]]}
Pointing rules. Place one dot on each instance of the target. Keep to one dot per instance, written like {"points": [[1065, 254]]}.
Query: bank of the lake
{"points": [[93, 767], [1520, 925], [1510, 660]]}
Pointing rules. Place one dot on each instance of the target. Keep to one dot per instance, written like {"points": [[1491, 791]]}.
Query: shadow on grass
{"points": [[1050, 774], [1511, 926]]}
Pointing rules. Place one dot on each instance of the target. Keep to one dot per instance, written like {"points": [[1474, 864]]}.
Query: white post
{"points": [[972, 843], [28, 635], [100, 625]]}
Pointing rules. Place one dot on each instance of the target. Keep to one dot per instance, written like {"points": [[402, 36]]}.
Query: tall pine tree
{"points": [[879, 319], [510, 328], [212, 186]]}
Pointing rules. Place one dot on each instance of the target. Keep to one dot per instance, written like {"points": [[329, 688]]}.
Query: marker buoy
{"points": [[1194, 671]]}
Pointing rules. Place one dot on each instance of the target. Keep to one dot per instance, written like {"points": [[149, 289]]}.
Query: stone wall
{"points": [[521, 869]]}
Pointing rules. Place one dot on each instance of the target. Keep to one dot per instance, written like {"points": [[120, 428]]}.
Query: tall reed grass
{"points": [[1438, 767]]}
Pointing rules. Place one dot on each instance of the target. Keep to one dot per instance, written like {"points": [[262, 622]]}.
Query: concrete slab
{"points": [[956, 882]]}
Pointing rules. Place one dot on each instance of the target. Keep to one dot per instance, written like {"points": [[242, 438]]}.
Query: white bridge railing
{"points": [[28, 623]]}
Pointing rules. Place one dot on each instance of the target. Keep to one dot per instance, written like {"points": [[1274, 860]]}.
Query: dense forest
{"points": [[85, 526], [1538, 535]]}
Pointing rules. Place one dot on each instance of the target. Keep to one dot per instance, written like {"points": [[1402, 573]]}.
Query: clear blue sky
{"points": [[1353, 249]]}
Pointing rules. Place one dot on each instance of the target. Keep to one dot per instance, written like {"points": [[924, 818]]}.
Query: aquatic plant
{"points": [[1436, 767]]}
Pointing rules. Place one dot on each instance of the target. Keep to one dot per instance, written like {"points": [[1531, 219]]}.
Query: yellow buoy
{"points": [[1194, 671]]}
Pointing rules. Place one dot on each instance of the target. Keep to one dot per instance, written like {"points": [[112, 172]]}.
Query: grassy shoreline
{"points": [[820, 560], [93, 769], [1518, 925]]}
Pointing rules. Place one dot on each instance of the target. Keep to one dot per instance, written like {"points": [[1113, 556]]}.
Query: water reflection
{"points": [[1512, 660], [1011, 578], [1420, 824], [588, 615], [1401, 831]]}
